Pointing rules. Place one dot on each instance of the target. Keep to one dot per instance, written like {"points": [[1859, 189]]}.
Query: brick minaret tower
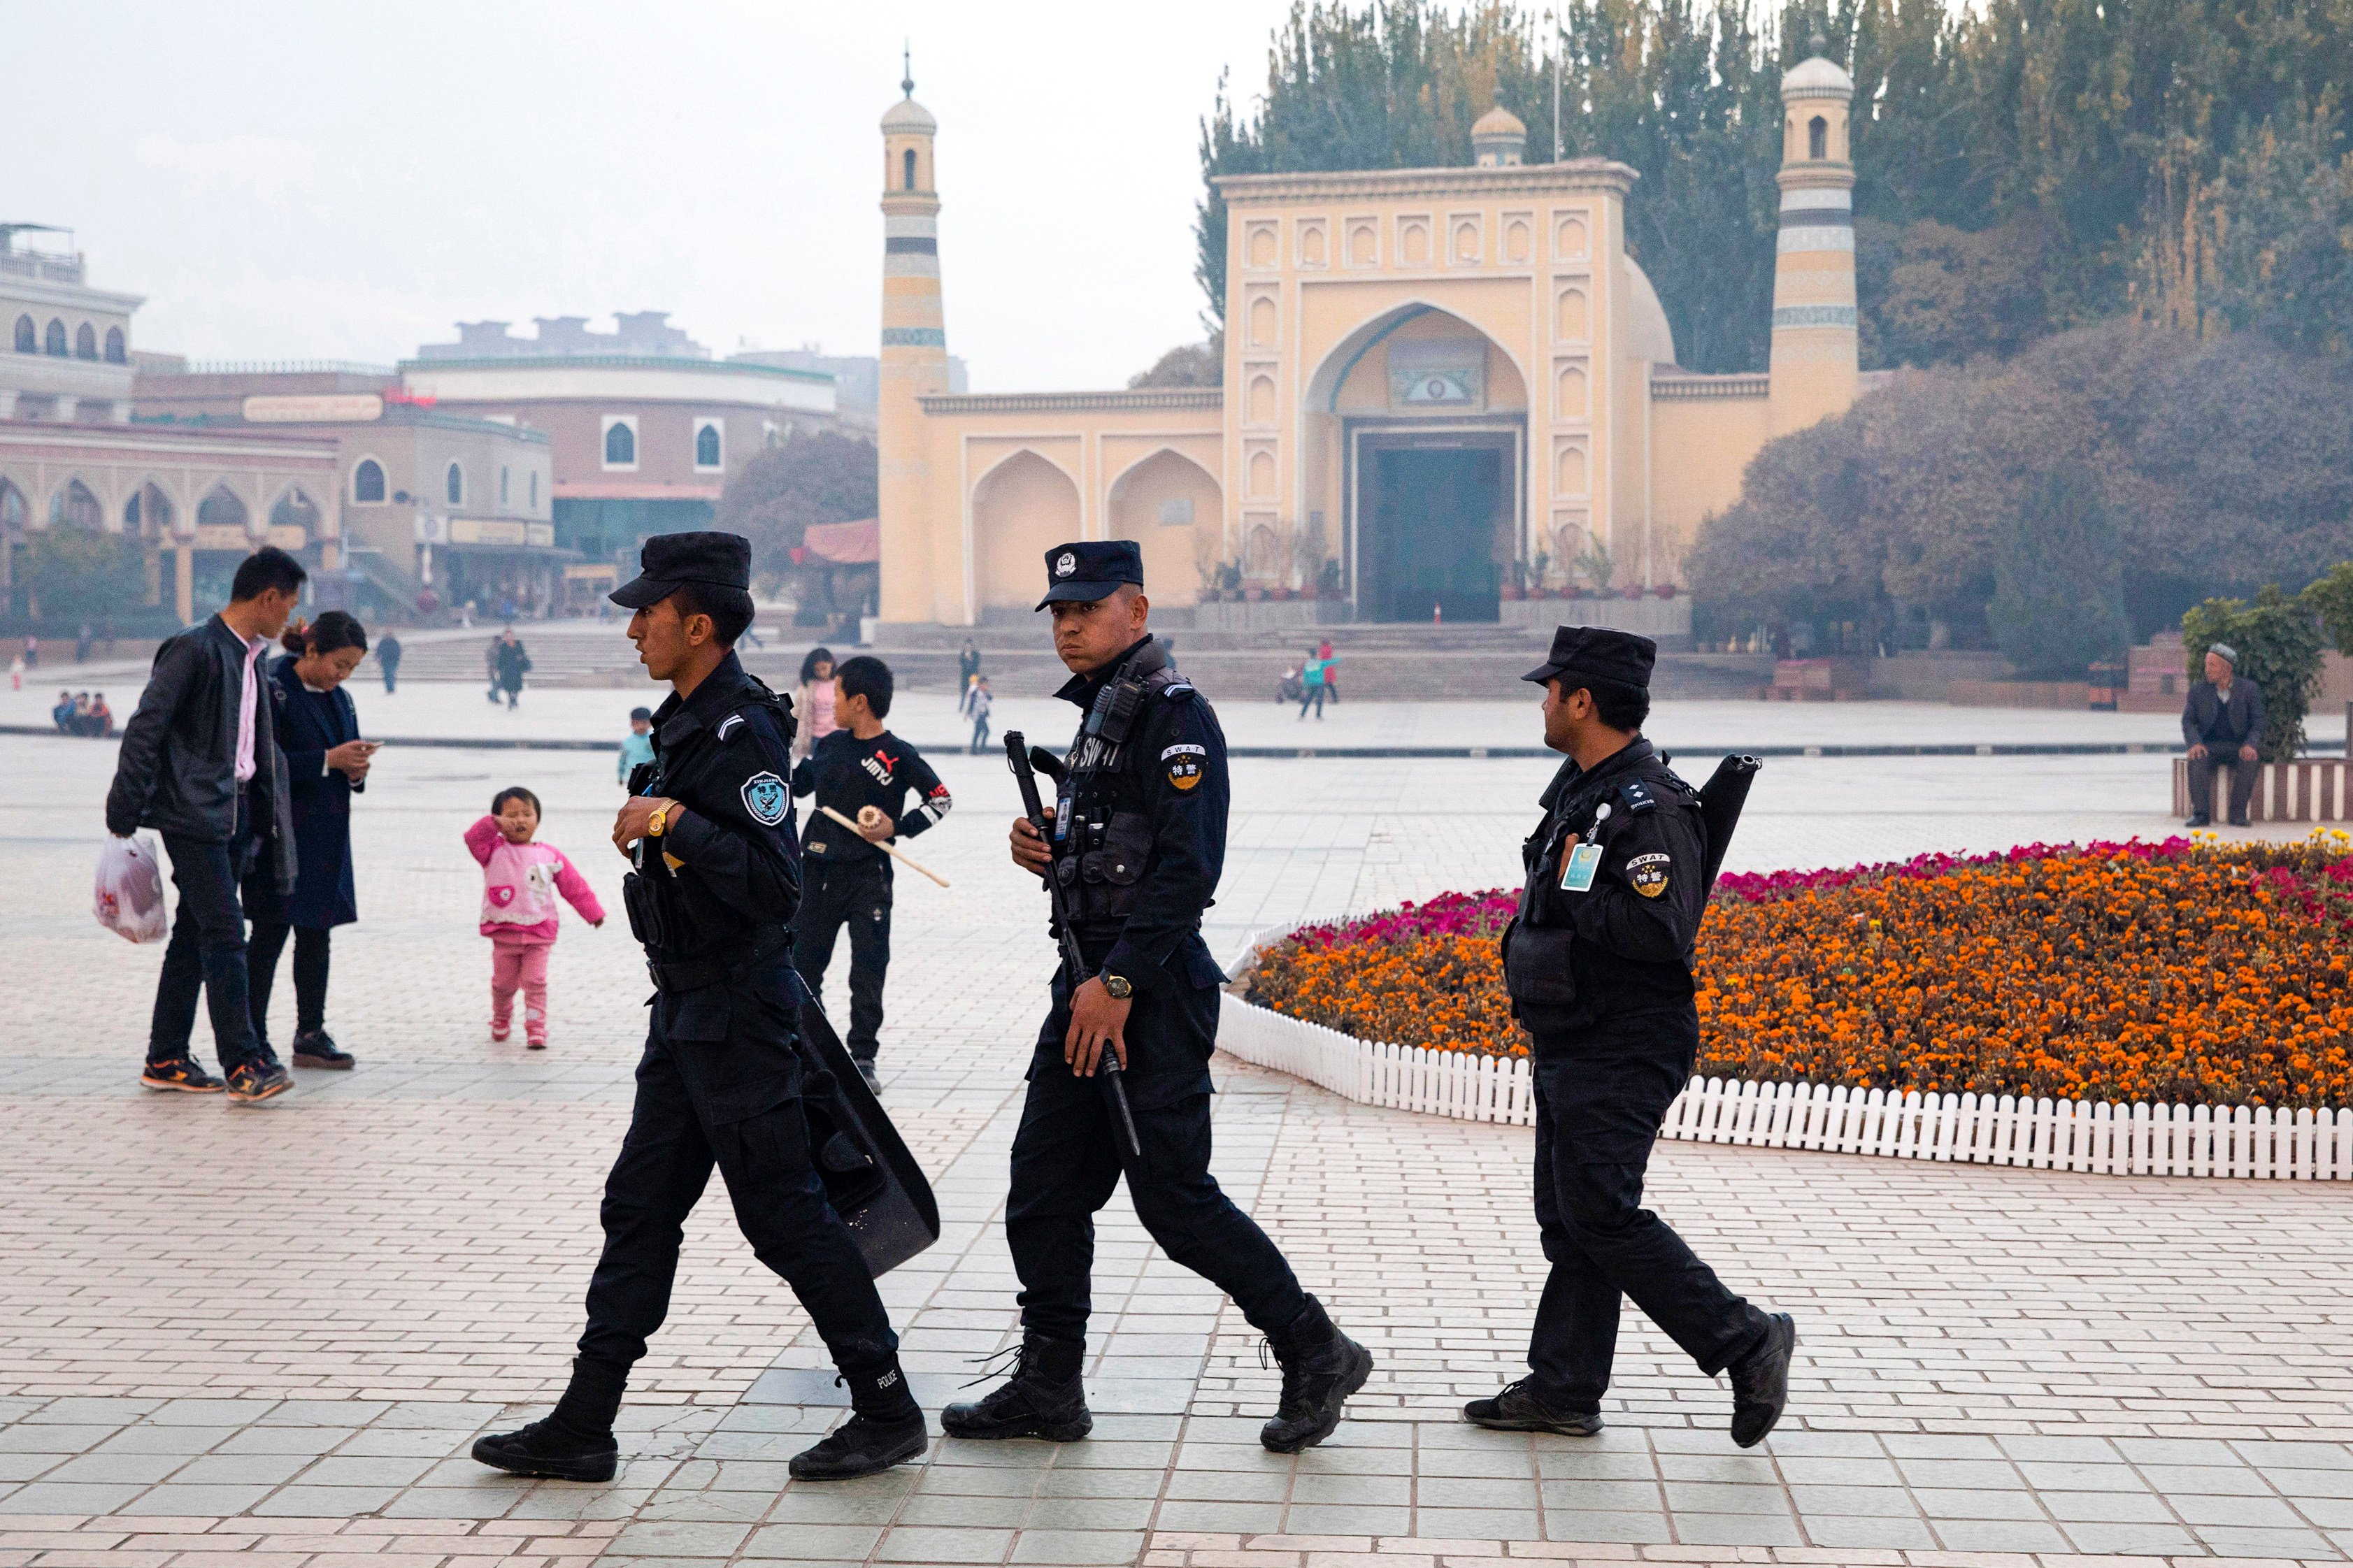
{"points": [[914, 353], [1814, 360]]}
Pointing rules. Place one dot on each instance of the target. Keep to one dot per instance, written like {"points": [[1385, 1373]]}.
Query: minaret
{"points": [[1814, 356], [914, 354]]}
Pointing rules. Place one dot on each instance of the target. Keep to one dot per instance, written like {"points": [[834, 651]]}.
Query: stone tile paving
{"points": [[275, 1331]]}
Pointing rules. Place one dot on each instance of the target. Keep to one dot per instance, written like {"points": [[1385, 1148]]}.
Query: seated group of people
{"points": [[82, 713]]}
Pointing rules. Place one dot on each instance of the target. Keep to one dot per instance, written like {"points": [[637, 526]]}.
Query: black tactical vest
{"points": [[1103, 833]]}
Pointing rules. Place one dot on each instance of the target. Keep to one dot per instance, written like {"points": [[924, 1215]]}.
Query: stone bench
{"points": [[2310, 790]]}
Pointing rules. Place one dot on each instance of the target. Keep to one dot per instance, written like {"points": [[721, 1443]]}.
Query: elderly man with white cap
{"points": [[2223, 722]]}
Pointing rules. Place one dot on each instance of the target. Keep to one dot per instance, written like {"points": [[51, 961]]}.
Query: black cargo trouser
{"points": [[1600, 1098], [857, 895], [719, 1085], [207, 952], [2243, 775], [1070, 1153]]}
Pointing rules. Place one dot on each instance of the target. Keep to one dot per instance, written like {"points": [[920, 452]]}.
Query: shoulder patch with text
{"points": [[1183, 763], [1648, 873], [767, 798]]}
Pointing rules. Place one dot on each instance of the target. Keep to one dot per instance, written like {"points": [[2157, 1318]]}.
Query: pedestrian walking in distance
{"points": [[521, 879], [713, 889], [387, 659], [983, 701], [865, 772], [1138, 841], [200, 765], [1598, 963]]}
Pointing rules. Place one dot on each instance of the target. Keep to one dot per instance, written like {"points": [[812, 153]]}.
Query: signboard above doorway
{"points": [[1437, 375]]}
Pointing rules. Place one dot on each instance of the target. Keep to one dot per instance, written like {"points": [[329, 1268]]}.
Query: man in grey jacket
{"points": [[2223, 724], [200, 765]]}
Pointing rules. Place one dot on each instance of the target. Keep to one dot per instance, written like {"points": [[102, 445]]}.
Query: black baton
{"points": [[1017, 754]]}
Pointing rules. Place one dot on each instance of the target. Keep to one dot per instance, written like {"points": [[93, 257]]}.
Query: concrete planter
{"points": [[2311, 790]]}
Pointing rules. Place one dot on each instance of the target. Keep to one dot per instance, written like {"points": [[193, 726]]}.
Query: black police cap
{"points": [[1091, 569], [1597, 653], [670, 561]]}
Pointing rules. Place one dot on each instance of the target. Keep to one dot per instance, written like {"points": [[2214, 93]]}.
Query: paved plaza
{"points": [[272, 1332]]}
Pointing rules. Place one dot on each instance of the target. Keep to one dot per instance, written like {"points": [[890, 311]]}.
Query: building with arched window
{"points": [[1445, 392], [68, 345]]}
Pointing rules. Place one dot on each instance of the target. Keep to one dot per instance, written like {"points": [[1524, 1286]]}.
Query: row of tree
{"points": [[2023, 166]]}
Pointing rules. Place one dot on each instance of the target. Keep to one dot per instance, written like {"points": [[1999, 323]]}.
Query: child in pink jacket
{"points": [[520, 878]]}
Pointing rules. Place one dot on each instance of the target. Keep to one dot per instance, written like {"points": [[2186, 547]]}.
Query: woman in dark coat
{"points": [[326, 761]]}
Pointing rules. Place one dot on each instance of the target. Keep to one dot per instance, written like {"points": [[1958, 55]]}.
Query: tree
{"points": [[2059, 587], [814, 477], [2282, 251], [2278, 643], [1187, 364], [71, 573]]}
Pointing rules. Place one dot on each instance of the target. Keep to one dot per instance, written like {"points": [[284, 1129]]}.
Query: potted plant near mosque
{"points": [[1515, 583]]}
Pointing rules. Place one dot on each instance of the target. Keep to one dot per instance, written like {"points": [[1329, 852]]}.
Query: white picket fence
{"points": [[2097, 1137]]}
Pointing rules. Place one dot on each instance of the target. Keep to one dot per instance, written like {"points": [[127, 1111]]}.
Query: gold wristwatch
{"points": [[658, 822], [1118, 986]]}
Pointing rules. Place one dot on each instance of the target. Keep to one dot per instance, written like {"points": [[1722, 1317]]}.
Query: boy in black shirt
{"points": [[863, 771]]}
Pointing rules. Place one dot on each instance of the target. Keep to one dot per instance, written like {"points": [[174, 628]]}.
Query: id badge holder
{"points": [[1584, 861]]}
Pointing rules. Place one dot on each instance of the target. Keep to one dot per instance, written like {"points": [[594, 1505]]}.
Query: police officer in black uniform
{"points": [[1138, 841], [1598, 965], [716, 879]]}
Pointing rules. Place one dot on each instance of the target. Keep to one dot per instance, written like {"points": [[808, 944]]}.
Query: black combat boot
{"points": [[1760, 1382], [1320, 1367], [573, 1443], [885, 1428], [1045, 1397], [1526, 1407]]}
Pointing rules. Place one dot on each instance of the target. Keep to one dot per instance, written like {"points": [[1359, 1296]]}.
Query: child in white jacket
{"points": [[520, 880]]}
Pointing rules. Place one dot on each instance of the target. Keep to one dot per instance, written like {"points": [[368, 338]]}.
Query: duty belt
{"points": [[694, 973]]}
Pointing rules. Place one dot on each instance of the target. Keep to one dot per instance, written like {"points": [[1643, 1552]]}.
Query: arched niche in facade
{"points": [[221, 508], [1354, 366], [1021, 509], [75, 505], [1175, 509]]}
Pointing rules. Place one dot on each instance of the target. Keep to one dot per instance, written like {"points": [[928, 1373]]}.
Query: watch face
{"points": [[1118, 986]]}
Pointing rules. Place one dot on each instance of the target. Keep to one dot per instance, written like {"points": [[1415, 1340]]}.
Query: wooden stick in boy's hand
{"points": [[890, 849]]}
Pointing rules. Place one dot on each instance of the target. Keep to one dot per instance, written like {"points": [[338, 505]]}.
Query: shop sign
{"points": [[314, 408]]}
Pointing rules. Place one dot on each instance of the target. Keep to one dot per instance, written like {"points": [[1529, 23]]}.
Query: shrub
{"points": [[2059, 580]]}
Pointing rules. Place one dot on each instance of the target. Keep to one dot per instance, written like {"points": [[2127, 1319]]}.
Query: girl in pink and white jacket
{"points": [[521, 879]]}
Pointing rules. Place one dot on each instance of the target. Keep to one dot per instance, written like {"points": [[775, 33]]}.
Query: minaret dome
{"points": [[1498, 140]]}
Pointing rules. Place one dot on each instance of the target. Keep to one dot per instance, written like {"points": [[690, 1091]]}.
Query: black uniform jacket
{"points": [[177, 769], [1622, 947], [309, 725], [846, 773], [722, 754], [1174, 768]]}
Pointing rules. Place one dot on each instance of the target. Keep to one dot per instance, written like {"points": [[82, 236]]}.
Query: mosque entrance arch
{"points": [[1422, 419], [1021, 509]]}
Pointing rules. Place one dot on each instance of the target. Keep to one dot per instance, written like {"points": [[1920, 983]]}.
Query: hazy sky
{"points": [[344, 181]]}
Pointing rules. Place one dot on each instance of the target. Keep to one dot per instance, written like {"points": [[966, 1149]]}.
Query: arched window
{"points": [[453, 485], [86, 341], [28, 336], [294, 511], [221, 509], [907, 176], [706, 447], [367, 481], [53, 341], [75, 507], [620, 445], [115, 347], [1818, 138]]}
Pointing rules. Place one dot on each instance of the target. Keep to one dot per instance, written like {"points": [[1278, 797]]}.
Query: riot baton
{"points": [[1017, 755]]}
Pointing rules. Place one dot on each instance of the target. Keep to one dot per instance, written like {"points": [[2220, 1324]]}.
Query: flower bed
{"points": [[2180, 971]]}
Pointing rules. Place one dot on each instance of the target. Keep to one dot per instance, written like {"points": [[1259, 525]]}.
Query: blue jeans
{"points": [[207, 950]]}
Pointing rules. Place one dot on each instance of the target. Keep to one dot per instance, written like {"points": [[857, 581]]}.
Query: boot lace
{"points": [[1293, 1398], [1008, 1364]]}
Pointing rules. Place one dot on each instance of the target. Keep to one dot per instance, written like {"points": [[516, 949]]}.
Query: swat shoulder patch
{"points": [[1183, 764], [1648, 873], [767, 798]]}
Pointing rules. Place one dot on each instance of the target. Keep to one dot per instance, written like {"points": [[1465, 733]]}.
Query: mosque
{"points": [[1444, 389]]}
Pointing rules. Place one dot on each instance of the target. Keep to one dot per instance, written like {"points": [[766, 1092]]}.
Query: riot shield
{"points": [[871, 1179]]}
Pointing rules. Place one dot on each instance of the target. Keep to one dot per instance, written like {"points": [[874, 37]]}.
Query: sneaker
{"points": [[534, 1042], [258, 1080], [546, 1450], [1320, 1367], [1521, 1408], [1045, 1396], [318, 1050], [180, 1073], [497, 1033], [862, 1446]]}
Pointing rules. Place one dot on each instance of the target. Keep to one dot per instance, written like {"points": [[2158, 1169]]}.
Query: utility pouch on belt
{"points": [[644, 905]]}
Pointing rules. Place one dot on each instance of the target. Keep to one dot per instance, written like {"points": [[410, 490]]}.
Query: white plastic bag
{"points": [[130, 897]]}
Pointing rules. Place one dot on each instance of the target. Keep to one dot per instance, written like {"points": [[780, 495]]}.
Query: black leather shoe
{"points": [[1760, 1382], [1320, 1367], [1045, 1397], [320, 1050], [2241, 822], [1521, 1408], [546, 1450], [2199, 820], [862, 1446]]}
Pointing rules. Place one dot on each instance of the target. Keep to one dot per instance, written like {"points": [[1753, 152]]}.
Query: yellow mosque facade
{"points": [[1441, 387]]}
